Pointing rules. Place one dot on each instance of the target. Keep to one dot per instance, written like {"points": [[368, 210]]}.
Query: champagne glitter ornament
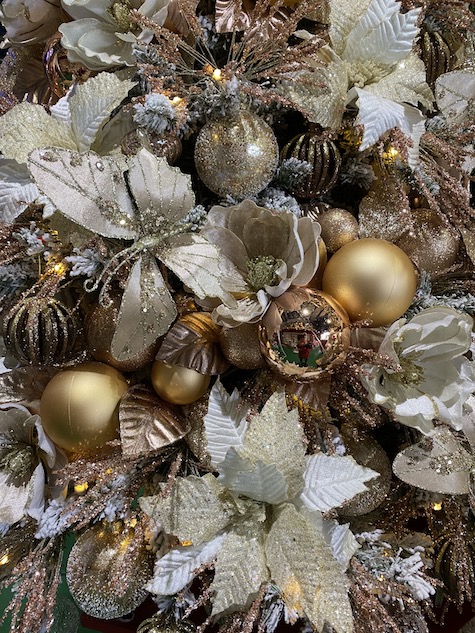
{"points": [[79, 407], [372, 279], [236, 156], [241, 347], [312, 337], [178, 385], [108, 569], [40, 331], [324, 159], [338, 228]]}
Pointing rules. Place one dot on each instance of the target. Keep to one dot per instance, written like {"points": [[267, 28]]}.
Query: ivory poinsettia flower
{"points": [[30, 21], [434, 378], [102, 34], [265, 253]]}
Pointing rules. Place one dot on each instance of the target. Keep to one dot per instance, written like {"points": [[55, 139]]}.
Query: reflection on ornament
{"points": [[431, 245], [79, 407], [316, 281], [61, 73], [324, 159], [169, 148], [312, 338], [40, 331], [338, 228], [178, 385], [241, 346], [373, 280], [236, 156], [99, 331], [108, 570]]}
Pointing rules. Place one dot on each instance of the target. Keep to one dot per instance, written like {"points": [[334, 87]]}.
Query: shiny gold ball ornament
{"points": [[99, 331], [236, 156], [108, 569], [324, 159], [79, 407], [177, 384], [40, 331], [60, 72], [372, 279], [338, 228], [313, 337], [430, 244], [241, 347]]}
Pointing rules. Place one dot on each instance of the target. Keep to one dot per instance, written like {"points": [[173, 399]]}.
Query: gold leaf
{"points": [[147, 423]]}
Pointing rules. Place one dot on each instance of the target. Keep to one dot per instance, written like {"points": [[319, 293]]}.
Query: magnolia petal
{"points": [[309, 232]]}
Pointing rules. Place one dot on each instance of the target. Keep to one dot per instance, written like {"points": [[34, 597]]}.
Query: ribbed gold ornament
{"points": [[162, 624], [323, 156], [40, 331]]}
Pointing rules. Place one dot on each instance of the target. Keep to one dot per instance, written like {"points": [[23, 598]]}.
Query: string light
{"points": [[80, 488], [437, 506], [4, 559]]}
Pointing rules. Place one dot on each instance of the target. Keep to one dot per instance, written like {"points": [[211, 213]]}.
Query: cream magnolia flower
{"points": [[101, 34], [30, 21], [264, 252], [27, 459], [434, 378]]}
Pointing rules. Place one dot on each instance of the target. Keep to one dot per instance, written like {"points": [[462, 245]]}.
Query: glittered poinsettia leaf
{"points": [[148, 423], [146, 310], [87, 188], [194, 511], [314, 586], [455, 95], [25, 384], [17, 190], [341, 540]]}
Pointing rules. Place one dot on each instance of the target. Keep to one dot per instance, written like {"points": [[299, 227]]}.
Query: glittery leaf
{"points": [[331, 480], [86, 188], [468, 236], [178, 568], [26, 127], [148, 423], [315, 584], [13, 499], [193, 511], [146, 311], [275, 437], [455, 95], [25, 384], [259, 481], [91, 106], [342, 541], [17, 190], [225, 422], [240, 570], [160, 191]]}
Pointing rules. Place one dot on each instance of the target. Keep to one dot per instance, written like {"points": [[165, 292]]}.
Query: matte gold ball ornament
{"points": [[236, 156], [338, 228], [372, 279], [177, 384], [79, 407], [313, 337]]}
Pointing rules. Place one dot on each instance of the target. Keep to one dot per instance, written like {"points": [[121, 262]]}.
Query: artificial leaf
{"points": [[343, 17], [13, 499], [193, 511], [314, 585], [160, 191], [455, 95], [225, 422], [341, 540], [240, 570], [17, 190], [25, 384], [86, 188], [146, 311], [331, 480], [178, 568], [26, 127], [275, 437], [148, 423], [61, 110], [91, 106], [382, 33], [259, 481]]}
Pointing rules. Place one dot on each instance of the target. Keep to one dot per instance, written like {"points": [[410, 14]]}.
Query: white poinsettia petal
{"points": [[331, 480], [17, 190], [224, 422], [342, 541]]}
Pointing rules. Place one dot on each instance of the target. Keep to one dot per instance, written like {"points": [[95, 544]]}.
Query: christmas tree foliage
{"points": [[237, 250]]}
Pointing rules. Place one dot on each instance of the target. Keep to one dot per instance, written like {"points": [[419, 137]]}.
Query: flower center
{"points": [[120, 13], [261, 271], [362, 73], [410, 374], [19, 461]]}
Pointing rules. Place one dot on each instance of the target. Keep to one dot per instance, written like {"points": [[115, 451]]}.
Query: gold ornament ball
{"points": [[241, 347], [316, 281], [431, 245], [237, 156], [79, 407], [99, 331], [339, 227], [372, 279], [100, 576], [177, 384], [313, 337]]}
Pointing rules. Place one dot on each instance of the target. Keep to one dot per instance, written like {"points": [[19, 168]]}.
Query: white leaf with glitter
{"points": [[455, 95], [225, 422], [178, 568], [17, 190], [342, 541], [331, 480]]}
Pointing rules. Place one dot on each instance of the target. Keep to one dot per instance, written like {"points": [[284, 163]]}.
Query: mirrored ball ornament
{"points": [[236, 156], [312, 338]]}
